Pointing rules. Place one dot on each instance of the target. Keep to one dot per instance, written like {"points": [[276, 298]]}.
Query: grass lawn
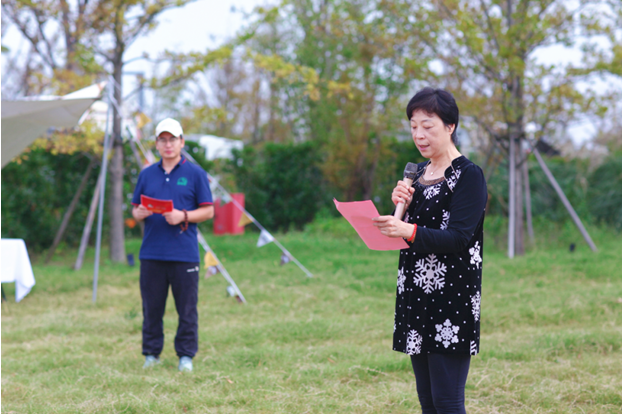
{"points": [[551, 333]]}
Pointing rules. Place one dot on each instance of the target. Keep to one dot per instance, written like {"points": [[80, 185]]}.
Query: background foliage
{"points": [[282, 182], [36, 193], [317, 90], [605, 192], [285, 188]]}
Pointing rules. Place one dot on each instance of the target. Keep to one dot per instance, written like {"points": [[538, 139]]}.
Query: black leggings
{"points": [[440, 382]]}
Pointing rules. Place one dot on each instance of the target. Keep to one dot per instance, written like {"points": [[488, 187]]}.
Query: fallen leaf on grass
{"points": [[331, 360], [228, 380]]}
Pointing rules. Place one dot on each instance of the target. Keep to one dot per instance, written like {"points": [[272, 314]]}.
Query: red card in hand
{"points": [[156, 205]]}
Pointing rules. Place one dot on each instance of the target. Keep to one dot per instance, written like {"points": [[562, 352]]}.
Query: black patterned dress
{"points": [[439, 280]]}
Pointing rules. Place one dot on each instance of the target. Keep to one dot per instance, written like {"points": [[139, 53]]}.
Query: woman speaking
{"points": [[437, 309]]}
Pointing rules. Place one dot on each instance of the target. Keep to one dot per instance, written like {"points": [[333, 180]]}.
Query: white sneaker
{"points": [[185, 364], [150, 361]]}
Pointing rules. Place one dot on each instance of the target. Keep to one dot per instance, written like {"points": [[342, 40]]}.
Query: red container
{"points": [[227, 216]]}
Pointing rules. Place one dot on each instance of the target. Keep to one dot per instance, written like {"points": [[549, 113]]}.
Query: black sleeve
{"points": [[466, 210]]}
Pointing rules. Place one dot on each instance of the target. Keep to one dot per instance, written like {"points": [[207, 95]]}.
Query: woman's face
{"points": [[430, 135]]}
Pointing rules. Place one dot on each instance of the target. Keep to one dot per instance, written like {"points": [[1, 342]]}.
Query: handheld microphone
{"points": [[410, 171]]}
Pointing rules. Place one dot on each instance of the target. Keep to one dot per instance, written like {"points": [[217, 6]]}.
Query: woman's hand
{"points": [[402, 193], [393, 227]]}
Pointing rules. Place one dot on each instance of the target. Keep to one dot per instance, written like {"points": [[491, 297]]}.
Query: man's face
{"points": [[169, 146]]}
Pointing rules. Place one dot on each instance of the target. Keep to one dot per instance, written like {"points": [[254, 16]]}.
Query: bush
{"points": [[571, 175], [605, 192], [36, 194], [391, 170], [282, 183]]}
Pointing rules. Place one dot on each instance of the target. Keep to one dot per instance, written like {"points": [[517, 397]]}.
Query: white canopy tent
{"points": [[23, 121]]}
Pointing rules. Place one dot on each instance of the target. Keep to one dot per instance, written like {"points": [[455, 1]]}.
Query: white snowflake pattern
{"points": [[429, 274], [445, 222], [413, 342], [476, 301], [446, 333], [476, 258], [432, 191], [453, 179], [401, 279], [394, 323], [473, 348], [407, 217]]}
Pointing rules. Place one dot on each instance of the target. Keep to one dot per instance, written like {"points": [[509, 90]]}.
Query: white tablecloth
{"points": [[16, 266]]}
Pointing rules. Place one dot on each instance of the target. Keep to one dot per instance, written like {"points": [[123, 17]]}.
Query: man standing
{"points": [[169, 254]]}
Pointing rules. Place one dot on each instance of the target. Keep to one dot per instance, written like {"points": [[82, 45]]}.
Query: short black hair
{"points": [[436, 101]]}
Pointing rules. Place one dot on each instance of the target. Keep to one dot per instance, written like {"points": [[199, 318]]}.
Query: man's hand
{"points": [[175, 217], [393, 227], [140, 213], [402, 193]]}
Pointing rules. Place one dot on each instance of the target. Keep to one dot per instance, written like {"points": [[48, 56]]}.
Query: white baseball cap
{"points": [[169, 125]]}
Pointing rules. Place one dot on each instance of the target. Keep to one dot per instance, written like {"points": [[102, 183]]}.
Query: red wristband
{"points": [[412, 237]]}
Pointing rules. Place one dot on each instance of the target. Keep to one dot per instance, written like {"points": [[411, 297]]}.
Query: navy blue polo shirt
{"points": [[187, 186]]}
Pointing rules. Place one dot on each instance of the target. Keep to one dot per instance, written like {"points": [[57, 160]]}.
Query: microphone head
{"points": [[410, 171]]}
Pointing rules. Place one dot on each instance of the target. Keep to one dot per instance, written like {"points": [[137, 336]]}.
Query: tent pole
{"points": [[86, 232], [220, 267], [102, 190], [565, 201], [255, 221], [72, 207]]}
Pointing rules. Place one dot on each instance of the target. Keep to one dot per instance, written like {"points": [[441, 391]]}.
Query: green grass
{"points": [[551, 333]]}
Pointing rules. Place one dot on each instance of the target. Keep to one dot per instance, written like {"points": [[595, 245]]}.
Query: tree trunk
{"points": [[115, 201], [528, 201], [519, 233], [511, 196], [70, 210], [515, 108], [139, 164], [516, 223]]}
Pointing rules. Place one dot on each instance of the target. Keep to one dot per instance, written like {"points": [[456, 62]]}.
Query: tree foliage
{"points": [[604, 193], [35, 195], [62, 38], [328, 81], [282, 183], [96, 36]]}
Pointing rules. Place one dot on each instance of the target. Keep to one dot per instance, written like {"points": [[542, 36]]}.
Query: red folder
{"points": [[156, 205]]}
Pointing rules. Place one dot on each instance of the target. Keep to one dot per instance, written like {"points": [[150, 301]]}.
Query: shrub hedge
{"points": [[284, 188]]}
